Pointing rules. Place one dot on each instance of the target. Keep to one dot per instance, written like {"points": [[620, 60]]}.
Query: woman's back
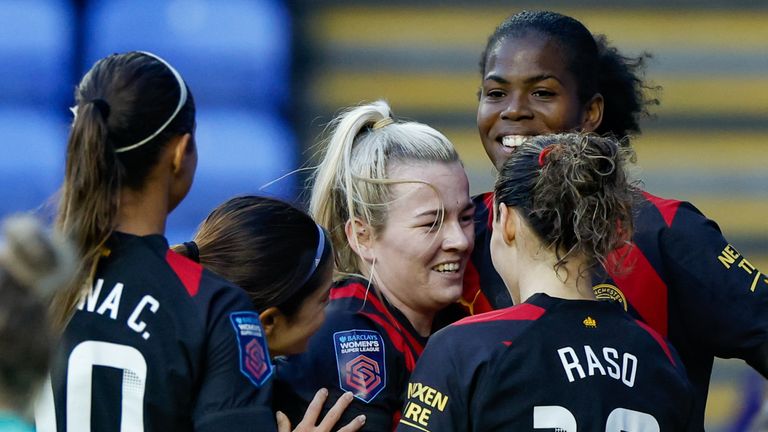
{"points": [[158, 345], [548, 363]]}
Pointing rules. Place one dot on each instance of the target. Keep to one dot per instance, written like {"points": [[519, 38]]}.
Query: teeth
{"points": [[513, 141], [447, 267]]}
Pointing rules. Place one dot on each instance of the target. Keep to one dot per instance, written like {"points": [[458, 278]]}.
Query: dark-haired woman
{"points": [[543, 73], [558, 359], [151, 340], [284, 262]]}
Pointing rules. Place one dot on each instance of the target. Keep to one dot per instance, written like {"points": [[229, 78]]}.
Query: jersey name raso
{"points": [[584, 362]]}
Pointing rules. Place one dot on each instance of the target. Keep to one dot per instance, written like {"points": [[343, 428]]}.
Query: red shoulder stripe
{"points": [[521, 312], [397, 340], [658, 339], [187, 270], [357, 290], [667, 207], [643, 287], [488, 199]]}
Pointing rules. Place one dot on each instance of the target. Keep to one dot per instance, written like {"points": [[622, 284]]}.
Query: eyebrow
{"points": [[529, 80]]}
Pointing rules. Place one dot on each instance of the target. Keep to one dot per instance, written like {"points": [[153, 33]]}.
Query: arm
{"points": [[235, 388], [723, 297]]}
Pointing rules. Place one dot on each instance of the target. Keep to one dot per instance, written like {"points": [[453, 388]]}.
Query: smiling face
{"points": [[528, 90], [423, 249]]}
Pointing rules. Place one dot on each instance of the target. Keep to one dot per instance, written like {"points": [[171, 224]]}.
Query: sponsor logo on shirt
{"points": [[731, 258], [608, 292], [360, 362], [423, 401], [254, 353]]}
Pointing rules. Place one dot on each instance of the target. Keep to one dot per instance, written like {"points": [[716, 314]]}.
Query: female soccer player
{"points": [[395, 200], [542, 73], [32, 267], [559, 359], [151, 340], [284, 261]]}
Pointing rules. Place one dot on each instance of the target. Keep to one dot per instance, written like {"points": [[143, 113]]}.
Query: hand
{"points": [[313, 411]]}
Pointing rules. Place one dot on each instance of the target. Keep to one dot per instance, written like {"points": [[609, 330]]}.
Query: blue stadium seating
{"points": [[240, 152], [36, 50], [32, 161], [234, 52]]}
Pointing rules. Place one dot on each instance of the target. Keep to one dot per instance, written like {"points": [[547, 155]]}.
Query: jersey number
{"points": [[620, 419], [83, 358]]}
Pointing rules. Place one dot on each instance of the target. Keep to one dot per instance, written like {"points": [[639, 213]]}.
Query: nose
{"points": [[458, 238], [517, 107]]}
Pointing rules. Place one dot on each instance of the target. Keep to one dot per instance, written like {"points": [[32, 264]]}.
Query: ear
{"points": [[181, 151], [593, 113], [507, 222], [360, 238], [269, 320]]}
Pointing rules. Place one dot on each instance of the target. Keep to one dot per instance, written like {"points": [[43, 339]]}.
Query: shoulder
{"points": [[670, 211], [473, 336]]}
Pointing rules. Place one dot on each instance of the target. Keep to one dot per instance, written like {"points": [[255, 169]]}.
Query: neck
{"points": [[420, 320], [567, 283], [143, 212]]}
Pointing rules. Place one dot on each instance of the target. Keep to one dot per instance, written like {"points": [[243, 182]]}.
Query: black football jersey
{"points": [[680, 276], [160, 344], [366, 346], [549, 364]]}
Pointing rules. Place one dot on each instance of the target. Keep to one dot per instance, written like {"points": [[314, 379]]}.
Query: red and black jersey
{"points": [[681, 277], [160, 344], [365, 346], [549, 364]]}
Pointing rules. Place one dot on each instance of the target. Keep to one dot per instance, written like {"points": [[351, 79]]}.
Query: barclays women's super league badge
{"points": [[360, 361], [254, 352]]}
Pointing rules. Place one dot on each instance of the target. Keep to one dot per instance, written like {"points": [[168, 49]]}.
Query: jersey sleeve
{"points": [[438, 391], [348, 353], [235, 385], [724, 297]]}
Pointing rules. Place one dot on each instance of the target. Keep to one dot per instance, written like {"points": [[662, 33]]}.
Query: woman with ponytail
{"points": [[559, 359], [394, 198], [33, 266], [151, 341]]}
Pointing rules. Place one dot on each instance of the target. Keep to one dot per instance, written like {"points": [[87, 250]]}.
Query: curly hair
{"points": [[574, 191]]}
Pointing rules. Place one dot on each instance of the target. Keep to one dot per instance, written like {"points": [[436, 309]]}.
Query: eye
{"points": [[543, 93], [495, 93], [431, 227]]}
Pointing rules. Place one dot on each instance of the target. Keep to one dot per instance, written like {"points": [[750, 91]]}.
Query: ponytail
{"points": [[352, 179], [89, 200]]}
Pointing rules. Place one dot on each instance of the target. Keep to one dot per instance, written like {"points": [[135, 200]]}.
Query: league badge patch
{"points": [[360, 362], [254, 353]]}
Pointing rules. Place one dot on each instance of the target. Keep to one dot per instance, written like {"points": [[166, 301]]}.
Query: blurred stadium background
{"points": [[267, 76]]}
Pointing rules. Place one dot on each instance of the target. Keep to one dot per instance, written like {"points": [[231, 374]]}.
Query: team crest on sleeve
{"points": [[254, 353], [360, 362]]}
